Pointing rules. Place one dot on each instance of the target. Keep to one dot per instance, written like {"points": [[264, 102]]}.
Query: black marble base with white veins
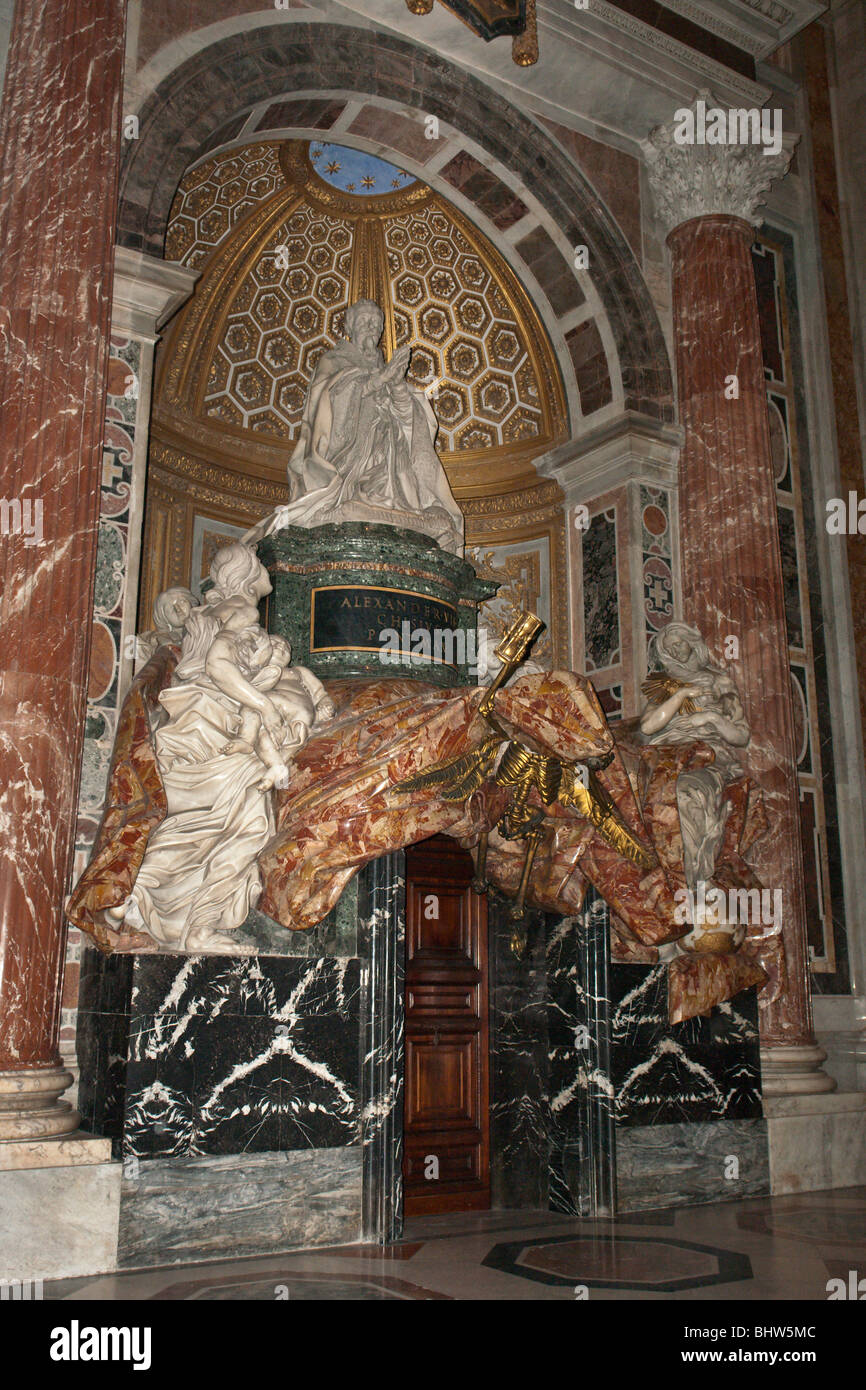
{"points": [[703, 1069], [183, 1056], [255, 1100], [593, 1090]]}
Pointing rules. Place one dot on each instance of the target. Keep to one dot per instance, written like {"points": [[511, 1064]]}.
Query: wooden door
{"points": [[446, 1163]]}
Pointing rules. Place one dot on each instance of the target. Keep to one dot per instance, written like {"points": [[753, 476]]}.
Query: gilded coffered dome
{"points": [[286, 234]]}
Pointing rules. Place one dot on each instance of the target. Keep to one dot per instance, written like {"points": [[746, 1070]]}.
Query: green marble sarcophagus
{"points": [[362, 599]]}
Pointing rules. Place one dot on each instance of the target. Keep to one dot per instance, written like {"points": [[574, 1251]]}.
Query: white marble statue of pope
{"points": [[365, 451]]}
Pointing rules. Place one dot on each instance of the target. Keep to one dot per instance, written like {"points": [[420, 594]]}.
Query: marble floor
{"points": [[762, 1249]]}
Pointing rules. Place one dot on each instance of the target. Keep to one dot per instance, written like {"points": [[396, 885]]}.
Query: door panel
{"points": [[446, 1120]]}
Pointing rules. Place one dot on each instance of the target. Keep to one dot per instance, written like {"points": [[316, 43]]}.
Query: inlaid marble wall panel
{"points": [[602, 639], [657, 553], [601, 613], [703, 1069], [625, 583], [775, 279], [110, 599], [221, 1055], [700, 1154], [223, 1207]]}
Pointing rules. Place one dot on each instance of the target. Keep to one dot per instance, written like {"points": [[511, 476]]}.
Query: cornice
{"points": [[147, 292], [632, 448], [756, 26]]}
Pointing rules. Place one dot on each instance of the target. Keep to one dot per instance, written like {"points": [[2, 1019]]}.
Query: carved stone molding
{"points": [[698, 180], [147, 292], [757, 26], [631, 448], [514, 505]]}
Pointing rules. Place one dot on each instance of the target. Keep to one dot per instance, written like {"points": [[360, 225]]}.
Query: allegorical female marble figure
{"points": [[696, 699], [365, 450], [199, 878]]}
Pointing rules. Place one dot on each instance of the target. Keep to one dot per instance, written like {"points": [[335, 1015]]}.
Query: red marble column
{"points": [[59, 159], [731, 561]]}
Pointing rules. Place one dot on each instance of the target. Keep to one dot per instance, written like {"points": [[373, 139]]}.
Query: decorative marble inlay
{"points": [[658, 579], [110, 592], [601, 593], [641, 1264]]}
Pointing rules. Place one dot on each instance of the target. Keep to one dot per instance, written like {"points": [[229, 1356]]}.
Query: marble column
{"points": [[707, 196], [59, 157]]}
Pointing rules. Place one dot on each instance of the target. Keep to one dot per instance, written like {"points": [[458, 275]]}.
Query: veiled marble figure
{"points": [[717, 720], [365, 450]]}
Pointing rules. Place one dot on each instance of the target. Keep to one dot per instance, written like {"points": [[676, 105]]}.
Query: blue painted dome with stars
{"points": [[355, 171]]}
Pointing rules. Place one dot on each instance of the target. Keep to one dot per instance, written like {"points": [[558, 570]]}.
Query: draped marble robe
{"points": [[365, 453], [200, 870]]}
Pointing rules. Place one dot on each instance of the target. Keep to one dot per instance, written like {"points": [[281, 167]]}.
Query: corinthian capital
{"points": [[715, 159]]}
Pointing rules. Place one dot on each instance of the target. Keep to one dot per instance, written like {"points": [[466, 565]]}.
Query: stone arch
{"points": [[196, 105]]}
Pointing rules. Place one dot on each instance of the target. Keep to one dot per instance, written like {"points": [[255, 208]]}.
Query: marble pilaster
{"points": [[707, 196], [381, 938], [59, 154], [146, 293], [614, 473]]}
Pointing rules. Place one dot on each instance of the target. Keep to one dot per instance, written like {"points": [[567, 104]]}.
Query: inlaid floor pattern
{"points": [[766, 1248]]}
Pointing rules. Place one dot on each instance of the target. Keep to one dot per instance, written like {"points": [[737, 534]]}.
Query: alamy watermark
{"points": [[21, 1290], [853, 1289], [77, 1343], [846, 517], [444, 646], [22, 517], [703, 125], [714, 906]]}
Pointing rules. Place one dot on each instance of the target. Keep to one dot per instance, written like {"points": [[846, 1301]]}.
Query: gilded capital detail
{"points": [[710, 160]]}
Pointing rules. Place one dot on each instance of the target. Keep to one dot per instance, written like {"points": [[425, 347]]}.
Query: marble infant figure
{"points": [[300, 698]]}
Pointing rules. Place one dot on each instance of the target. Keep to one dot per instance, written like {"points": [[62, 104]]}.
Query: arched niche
{"points": [[199, 102], [517, 185]]}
